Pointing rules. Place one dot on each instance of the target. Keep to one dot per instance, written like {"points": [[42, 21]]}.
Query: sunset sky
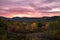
{"points": [[29, 8]]}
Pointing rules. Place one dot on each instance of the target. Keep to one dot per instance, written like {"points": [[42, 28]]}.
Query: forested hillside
{"points": [[45, 28]]}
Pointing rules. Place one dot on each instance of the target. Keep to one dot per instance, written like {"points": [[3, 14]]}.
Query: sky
{"points": [[29, 8]]}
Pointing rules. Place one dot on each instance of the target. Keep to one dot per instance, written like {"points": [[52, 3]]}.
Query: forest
{"points": [[45, 28]]}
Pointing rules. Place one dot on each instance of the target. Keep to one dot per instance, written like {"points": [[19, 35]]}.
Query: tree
{"points": [[40, 24], [54, 29], [34, 25]]}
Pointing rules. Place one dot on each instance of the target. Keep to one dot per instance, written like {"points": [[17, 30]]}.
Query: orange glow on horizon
{"points": [[37, 15]]}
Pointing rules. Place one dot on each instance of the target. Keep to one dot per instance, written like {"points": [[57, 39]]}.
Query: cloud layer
{"points": [[29, 8]]}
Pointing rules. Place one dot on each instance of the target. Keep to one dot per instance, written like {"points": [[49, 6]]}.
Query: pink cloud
{"points": [[29, 14], [29, 8]]}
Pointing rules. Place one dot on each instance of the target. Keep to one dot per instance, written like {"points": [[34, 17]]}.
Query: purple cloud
{"points": [[21, 6]]}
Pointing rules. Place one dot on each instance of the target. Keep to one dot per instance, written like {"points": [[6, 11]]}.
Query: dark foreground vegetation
{"points": [[46, 28]]}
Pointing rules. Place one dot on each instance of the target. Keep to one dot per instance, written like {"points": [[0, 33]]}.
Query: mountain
{"points": [[26, 19]]}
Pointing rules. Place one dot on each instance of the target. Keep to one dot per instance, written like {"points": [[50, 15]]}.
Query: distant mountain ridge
{"points": [[26, 19]]}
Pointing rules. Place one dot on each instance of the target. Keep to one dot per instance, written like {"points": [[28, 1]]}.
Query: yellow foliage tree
{"points": [[34, 25]]}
